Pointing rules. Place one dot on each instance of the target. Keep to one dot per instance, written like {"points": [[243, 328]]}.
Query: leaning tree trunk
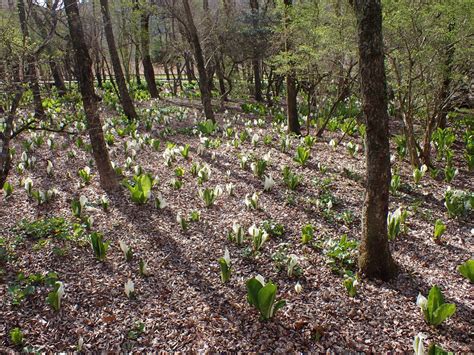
{"points": [[193, 38], [291, 92], [31, 65], [148, 70], [108, 179], [127, 103], [375, 260]]}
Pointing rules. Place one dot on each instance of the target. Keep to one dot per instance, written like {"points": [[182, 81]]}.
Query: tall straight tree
{"points": [[148, 70], [193, 38], [126, 100], [31, 65], [108, 179], [291, 91], [375, 260], [256, 60]]}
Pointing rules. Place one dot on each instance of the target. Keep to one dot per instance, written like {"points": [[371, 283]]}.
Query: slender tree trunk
{"points": [[31, 71], [137, 65], [127, 103], [108, 179], [198, 56], [291, 92], [256, 60], [375, 260], [146, 58]]}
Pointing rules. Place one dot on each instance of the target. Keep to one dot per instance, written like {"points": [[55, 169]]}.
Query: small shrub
{"points": [[434, 309], [262, 296]]}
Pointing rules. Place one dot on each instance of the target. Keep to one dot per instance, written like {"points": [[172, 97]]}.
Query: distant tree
{"points": [[148, 70], [193, 38], [126, 100], [291, 89], [31, 70], [375, 260], [108, 179]]}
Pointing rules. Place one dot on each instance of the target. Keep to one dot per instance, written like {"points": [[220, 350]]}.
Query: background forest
{"points": [[237, 175]]}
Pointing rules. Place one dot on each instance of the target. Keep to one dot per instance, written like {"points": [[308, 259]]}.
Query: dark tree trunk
{"points": [[193, 38], [31, 71], [137, 66], [57, 76], [127, 103], [188, 61], [148, 70], [291, 91], [256, 60], [375, 260], [108, 179]]}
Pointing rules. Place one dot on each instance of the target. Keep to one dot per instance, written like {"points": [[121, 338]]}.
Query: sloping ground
{"points": [[183, 305]]}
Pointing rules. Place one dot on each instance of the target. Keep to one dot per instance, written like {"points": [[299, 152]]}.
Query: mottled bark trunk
{"points": [[125, 99], [31, 70], [148, 70], [375, 260], [108, 179], [193, 38], [137, 66]]}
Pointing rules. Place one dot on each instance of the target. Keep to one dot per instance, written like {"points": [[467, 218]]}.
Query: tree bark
{"points": [[31, 71], [291, 92], [108, 179], [193, 38], [127, 103], [256, 60], [375, 260], [148, 70]]}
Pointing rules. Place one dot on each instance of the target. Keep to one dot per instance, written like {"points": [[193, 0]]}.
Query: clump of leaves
{"points": [[302, 155], [341, 253], [56, 227], [434, 309], [16, 336], [291, 180], [251, 201], [258, 167], [418, 173], [77, 206], [274, 229], [259, 237], [225, 266], [140, 191], [307, 234], [439, 229], [236, 234], [350, 283], [207, 127], [466, 269], [85, 175], [458, 203], [126, 250], [395, 222], [98, 245], [55, 296], [262, 296], [7, 189], [209, 195]]}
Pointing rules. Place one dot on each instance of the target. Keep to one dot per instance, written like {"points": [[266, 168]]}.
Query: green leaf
{"points": [[266, 298], [435, 299], [467, 270], [436, 350], [253, 287], [442, 313]]}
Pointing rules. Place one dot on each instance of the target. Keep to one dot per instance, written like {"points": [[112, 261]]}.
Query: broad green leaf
{"points": [[467, 270], [443, 312], [253, 287], [266, 298], [435, 299]]}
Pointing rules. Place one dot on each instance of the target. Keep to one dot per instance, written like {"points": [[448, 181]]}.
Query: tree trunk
{"points": [[256, 60], [291, 92], [148, 70], [375, 260], [57, 76], [31, 71], [193, 38], [127, 103], [137, 66], [108, 179]]}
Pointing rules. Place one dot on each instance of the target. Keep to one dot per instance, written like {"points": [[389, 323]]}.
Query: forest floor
{"points": [[182, 305]]}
